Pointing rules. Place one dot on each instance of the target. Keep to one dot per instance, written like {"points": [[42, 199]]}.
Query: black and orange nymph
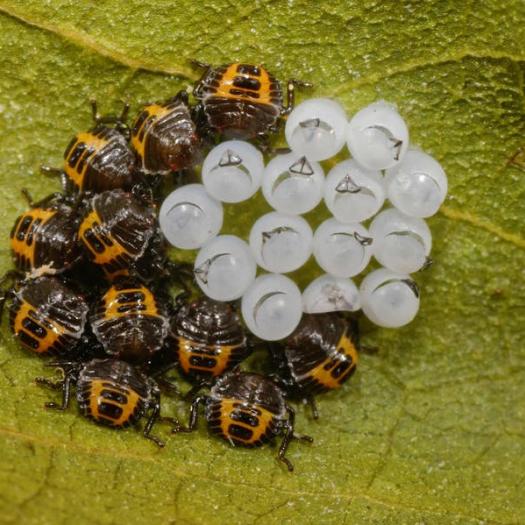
{"points": [[109, 392], [47, 316], [164, 137], [99, 159], [319, 356], [208, 337], [117, 230], [131, 321], [44, 238], [241, 100], [247, 410]]}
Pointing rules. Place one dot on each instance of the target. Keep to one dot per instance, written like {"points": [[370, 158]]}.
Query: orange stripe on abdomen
{"points": [[229, 408], [227, 85], [97, 387], [46, 334], [90, 235], [19, 239]]}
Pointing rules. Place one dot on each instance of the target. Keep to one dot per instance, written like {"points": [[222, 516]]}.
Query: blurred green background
{"points": [[431, 430]]}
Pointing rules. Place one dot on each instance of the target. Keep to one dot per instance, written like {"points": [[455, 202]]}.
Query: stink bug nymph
{"points": [[111, 393], [99, 159], [47, 316], [241, 100], [44, 238], [164, 137], [117, 229], [130, 321], [319, 356], [209, 339], [248, 410]]}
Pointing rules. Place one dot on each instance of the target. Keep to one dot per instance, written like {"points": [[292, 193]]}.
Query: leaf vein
{"points": [[413, 65], [474, 220], [99, 46]]}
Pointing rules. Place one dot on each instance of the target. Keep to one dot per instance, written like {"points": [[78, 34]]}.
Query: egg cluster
{"points": [[383, 167], [92, 281]]}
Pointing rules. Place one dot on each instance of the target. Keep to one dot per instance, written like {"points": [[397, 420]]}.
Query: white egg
{"points": [[189, 217], [331, 294], [418, 185], [281, 243], [224, 268], [377, 136], [232, 171], [353, 193], [292, 184], [401, 243], [271, 307], [389, 299], [343, 250], [316, 128]]}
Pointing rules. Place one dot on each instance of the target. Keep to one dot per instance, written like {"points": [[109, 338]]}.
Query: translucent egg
{"points": [[292, 184], [353, 193], [389, 299], [189, 217], [232, 171], [418, 185], [331, 294], [225, 268], [341, 249], [281, 243], [272, 307], [377, 136], [401, 243], [316, 128]]}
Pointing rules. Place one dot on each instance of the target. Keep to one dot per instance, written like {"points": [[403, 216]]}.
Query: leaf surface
{"points": [[432, 428]]}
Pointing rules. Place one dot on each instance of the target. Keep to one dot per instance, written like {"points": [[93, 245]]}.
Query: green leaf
{"points": [[432, 428]]}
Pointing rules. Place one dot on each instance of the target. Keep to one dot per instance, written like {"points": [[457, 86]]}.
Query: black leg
{"points": [[428, 263], [121, 124], [197, 64], [155, 412], [174, 422], [194, 414], [94, 111], [313, 406], [49, 383], [285, 443], [124, 114], [118, 120], [279, 151], [288, 436], [290, 99], [181, 96], [290, 102], [66, 395], [46, 201], [352, 318], [49, 171], [67, 185], [28, 197]]}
